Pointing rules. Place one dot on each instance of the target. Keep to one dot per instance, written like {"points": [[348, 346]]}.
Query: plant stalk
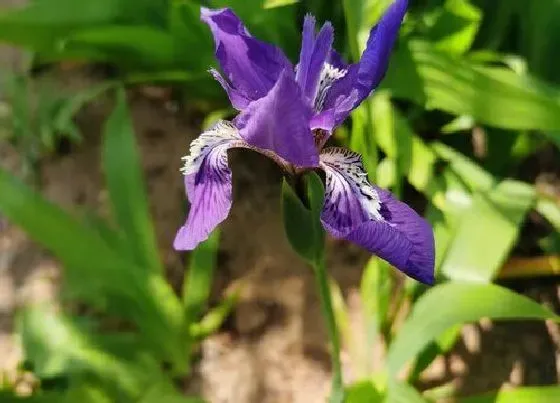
{"points": [[337, 391]]}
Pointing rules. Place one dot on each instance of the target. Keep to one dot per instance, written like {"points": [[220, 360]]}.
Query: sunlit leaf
{"points": [[495, 96], [487, 231], [463, 303], [278, 3], [403, 393], [363, 392], [455, 26], [537, 394]]}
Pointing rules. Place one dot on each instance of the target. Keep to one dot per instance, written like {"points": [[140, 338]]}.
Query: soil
{"points": [[273, 349]]}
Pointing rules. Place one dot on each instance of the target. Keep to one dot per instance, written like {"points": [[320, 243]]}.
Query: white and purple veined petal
{"points": [[315, 50], [208, 183], [371, 217]]}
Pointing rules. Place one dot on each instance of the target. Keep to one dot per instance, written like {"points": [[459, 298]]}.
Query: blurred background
{"points": [[99, 100]]}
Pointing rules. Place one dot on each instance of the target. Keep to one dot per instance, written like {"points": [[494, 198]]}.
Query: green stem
{"points": [[337, 392]]}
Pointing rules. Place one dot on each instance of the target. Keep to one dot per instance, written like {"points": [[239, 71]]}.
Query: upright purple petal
{"points": [[370, 217], [237, 98], [207, 183], [314, 53], [279, 122], [251, 66], [363, 77]]}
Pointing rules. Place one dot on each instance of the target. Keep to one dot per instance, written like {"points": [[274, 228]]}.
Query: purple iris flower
{"points": [[288, 113]]}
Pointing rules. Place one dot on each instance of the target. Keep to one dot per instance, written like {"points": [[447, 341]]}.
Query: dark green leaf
{"points": [[302, 224], [56, 347], [131, 46], [298, 223]]}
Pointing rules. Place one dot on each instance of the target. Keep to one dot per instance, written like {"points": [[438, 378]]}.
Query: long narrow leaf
{"points": [[497, 97], [126, 187], [463, 303], [540, 394]]}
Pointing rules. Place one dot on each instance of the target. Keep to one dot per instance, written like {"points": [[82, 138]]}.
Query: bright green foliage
{"points": [[115, 269], [459, 307], [472, 92], [544, 394]]}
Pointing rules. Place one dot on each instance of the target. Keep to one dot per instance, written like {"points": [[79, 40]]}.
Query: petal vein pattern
{"points": [[207, 183], [349, 198]]}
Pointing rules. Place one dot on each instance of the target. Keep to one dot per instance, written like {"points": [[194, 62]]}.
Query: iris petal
{"points": [[279, 122], [314, 52], [363, 77], [372, 218], [251, 66], [208, 184]]}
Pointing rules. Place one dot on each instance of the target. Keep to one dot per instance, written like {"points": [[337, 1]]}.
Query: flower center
{"points": [[329, 74]]}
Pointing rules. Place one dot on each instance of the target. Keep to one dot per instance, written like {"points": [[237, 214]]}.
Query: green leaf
{"points": [[363, 392], [278, 3], [64, 117], [197, 283], [301, 223], [198, 279], [494, 96], [94, 269], [298, 223], [56, 347], [375, 292], [538, 394], [549, 209], [126, 186], [361, 16], [43, 24], [403, 393], [456, 26], [131, 46], [463, 303], [165, 392], [495, 217]]}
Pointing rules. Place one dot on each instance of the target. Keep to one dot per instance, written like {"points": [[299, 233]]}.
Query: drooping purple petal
{"points": [[366, 75], [405, 239], [314, 52], [279, 122], [207, 183], [251, 66], [372, 218]]}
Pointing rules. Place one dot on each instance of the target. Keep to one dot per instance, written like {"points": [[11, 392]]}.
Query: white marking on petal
{"points": [[329, 75], [221, 134], [346, 174]]}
